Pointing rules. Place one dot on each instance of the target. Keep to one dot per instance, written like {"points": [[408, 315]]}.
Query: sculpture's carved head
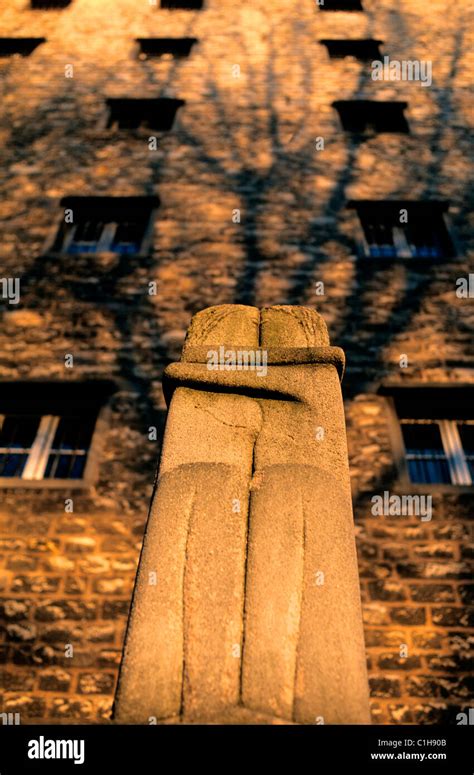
{"points": [[236, 325]]}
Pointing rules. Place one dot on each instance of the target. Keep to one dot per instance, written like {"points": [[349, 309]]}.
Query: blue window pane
{"points": [[65, 466], [466, 432], [82, 247], [429, 471], [57, 467], [128, 237], [69, 449], [426, 458], [77, 469], [18, 431], [12, 464], [16, 438], [424, 238]]}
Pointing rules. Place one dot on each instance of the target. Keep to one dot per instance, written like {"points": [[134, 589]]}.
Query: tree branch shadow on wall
{"points": [[255, 188]]}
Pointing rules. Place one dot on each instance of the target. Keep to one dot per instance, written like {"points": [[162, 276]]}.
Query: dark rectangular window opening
{"points": [[104, 224], [365, 50], [368, 115], [340, 5], [158, 114], [188, 5], [22, 46], [404, 229], [46, 5], [178, 48], [437, 434], [46, 429]]}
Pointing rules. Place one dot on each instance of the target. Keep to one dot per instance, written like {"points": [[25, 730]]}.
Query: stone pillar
{"points": [[247, 603]]}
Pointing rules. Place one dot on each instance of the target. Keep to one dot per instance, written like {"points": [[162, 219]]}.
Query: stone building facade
{"points": [[244, 184]]}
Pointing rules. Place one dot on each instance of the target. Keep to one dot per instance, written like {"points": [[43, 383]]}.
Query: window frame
{"points": [[452, 447], [403, 482], [143, 56], [332, 43], [93, 458], [60, 6], [372, 111], [439, 209], [30, 46], [182, 7], [360, 8], [104, 243], [111, 124], [50, 247]]}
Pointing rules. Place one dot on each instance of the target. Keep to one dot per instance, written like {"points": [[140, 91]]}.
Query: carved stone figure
{"points": [[247, 604]]}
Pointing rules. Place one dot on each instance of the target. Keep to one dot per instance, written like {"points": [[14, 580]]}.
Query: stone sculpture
{"points": [[247, 604]]}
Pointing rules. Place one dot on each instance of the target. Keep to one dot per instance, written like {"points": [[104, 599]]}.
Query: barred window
{"points": [[364, 49], [340, 5], [47, 5], [466, 435], [436, 433], [165, 47], [20, 46], [187, 5], [372, 115], [47, 447], [439, 451], [403, 229], [46, 429], [159, 114], [105, 224]]}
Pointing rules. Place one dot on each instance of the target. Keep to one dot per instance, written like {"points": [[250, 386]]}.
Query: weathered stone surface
{"points": [[247, 597]]}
